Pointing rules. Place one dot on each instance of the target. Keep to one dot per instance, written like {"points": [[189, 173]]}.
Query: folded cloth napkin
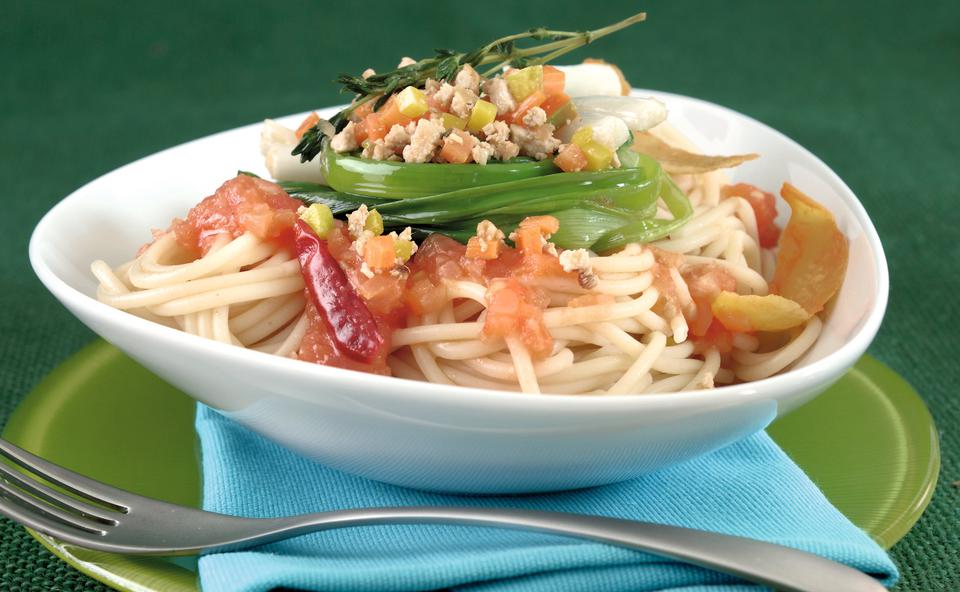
{"points": [[750, 488]]}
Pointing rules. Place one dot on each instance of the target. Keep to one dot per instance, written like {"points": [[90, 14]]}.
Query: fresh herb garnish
{"points": [[444, 67]]}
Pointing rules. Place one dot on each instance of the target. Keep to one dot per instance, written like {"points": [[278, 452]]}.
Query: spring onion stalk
{"points": [[646, 230], [400, 180], [597, 210], [478, 201]]}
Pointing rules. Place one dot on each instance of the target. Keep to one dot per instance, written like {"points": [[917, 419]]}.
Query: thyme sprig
{"points": [[444, 67]]}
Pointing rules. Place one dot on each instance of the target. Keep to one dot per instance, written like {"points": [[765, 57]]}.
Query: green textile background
{"points": [[873, 88]]}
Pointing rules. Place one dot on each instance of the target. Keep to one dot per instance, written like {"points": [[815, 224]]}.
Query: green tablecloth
{"points": [[872, 88]]}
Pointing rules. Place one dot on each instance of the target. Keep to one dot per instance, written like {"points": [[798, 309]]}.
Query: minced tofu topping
{"points": [[449, 113]]}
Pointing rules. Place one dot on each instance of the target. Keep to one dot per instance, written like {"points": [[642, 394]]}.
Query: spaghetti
{"points": [[630, 322]]}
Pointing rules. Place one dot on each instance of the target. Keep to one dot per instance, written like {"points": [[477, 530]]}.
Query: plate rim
{"points": [[106, 353]]}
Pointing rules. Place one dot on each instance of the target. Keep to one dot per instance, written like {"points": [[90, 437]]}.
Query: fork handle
{"points": [[765, 563]]}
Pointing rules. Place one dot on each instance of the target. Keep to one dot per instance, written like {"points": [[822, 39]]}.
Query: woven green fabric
{"points": [[870, 87]]}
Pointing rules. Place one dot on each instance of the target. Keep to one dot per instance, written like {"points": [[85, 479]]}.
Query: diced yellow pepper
{"points": [[374, 223], [484, 112], [599, 157], [412, 102], [403, 249], [319, 218], [525, 82], [582, 137], [747, 313], [451, 121]]}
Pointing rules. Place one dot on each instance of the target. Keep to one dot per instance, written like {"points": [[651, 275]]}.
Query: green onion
{"points": [[646, 230], [602, 210], [399, 180]]}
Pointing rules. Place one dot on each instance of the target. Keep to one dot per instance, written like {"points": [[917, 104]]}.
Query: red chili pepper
{"points": [[353, 326]]}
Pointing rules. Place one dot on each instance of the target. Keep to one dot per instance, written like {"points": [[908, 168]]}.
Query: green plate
{"points": [[869, 443]]}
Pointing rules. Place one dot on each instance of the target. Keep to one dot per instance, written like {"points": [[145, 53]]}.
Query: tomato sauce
{"points": [[248, 204], [516, 305], [242, 204], [764, 208]]}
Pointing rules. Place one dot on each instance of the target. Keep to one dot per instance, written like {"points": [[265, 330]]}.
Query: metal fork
{"points": [[99, 516]]}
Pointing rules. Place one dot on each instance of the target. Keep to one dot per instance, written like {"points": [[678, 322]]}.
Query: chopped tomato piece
{"points": [[422, 295], [374, 127], [379, 254], [457, 152], [571, 159], [513, 310], [310, 121], [360, 131], [705, 283], [553, 80], [390, 114], [383, 293], [364, 109], [439, 257], [764, 208], [715, 336], [534, 100], [812, 260], [242, 204]]}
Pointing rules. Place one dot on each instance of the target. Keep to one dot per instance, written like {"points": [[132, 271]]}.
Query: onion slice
{"points": [[638, 113], [680, 162]]}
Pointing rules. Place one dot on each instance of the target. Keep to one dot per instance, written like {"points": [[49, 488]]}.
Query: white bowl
{"points": [[432, 436]]}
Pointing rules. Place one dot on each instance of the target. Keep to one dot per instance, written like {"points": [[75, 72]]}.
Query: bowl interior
{"points": [[111, 217]]}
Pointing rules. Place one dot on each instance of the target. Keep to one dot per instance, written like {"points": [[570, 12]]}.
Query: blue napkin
{"points": [[750, 488]]}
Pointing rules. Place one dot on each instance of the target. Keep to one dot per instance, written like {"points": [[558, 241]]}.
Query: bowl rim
{"points": [[794, 380]]}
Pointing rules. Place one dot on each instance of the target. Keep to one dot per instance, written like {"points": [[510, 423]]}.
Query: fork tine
{"points": [[95, 491], [31, 512], [45, 492]]}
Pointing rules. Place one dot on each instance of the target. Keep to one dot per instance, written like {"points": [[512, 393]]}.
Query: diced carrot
{"points": [[310, 121], [531, 231], [529, 240], [571, 159], [535, 99], [545, 224], [489, 250], [553, 80], [764, 208], [457, 147], [379, 254], [554, 102]]}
